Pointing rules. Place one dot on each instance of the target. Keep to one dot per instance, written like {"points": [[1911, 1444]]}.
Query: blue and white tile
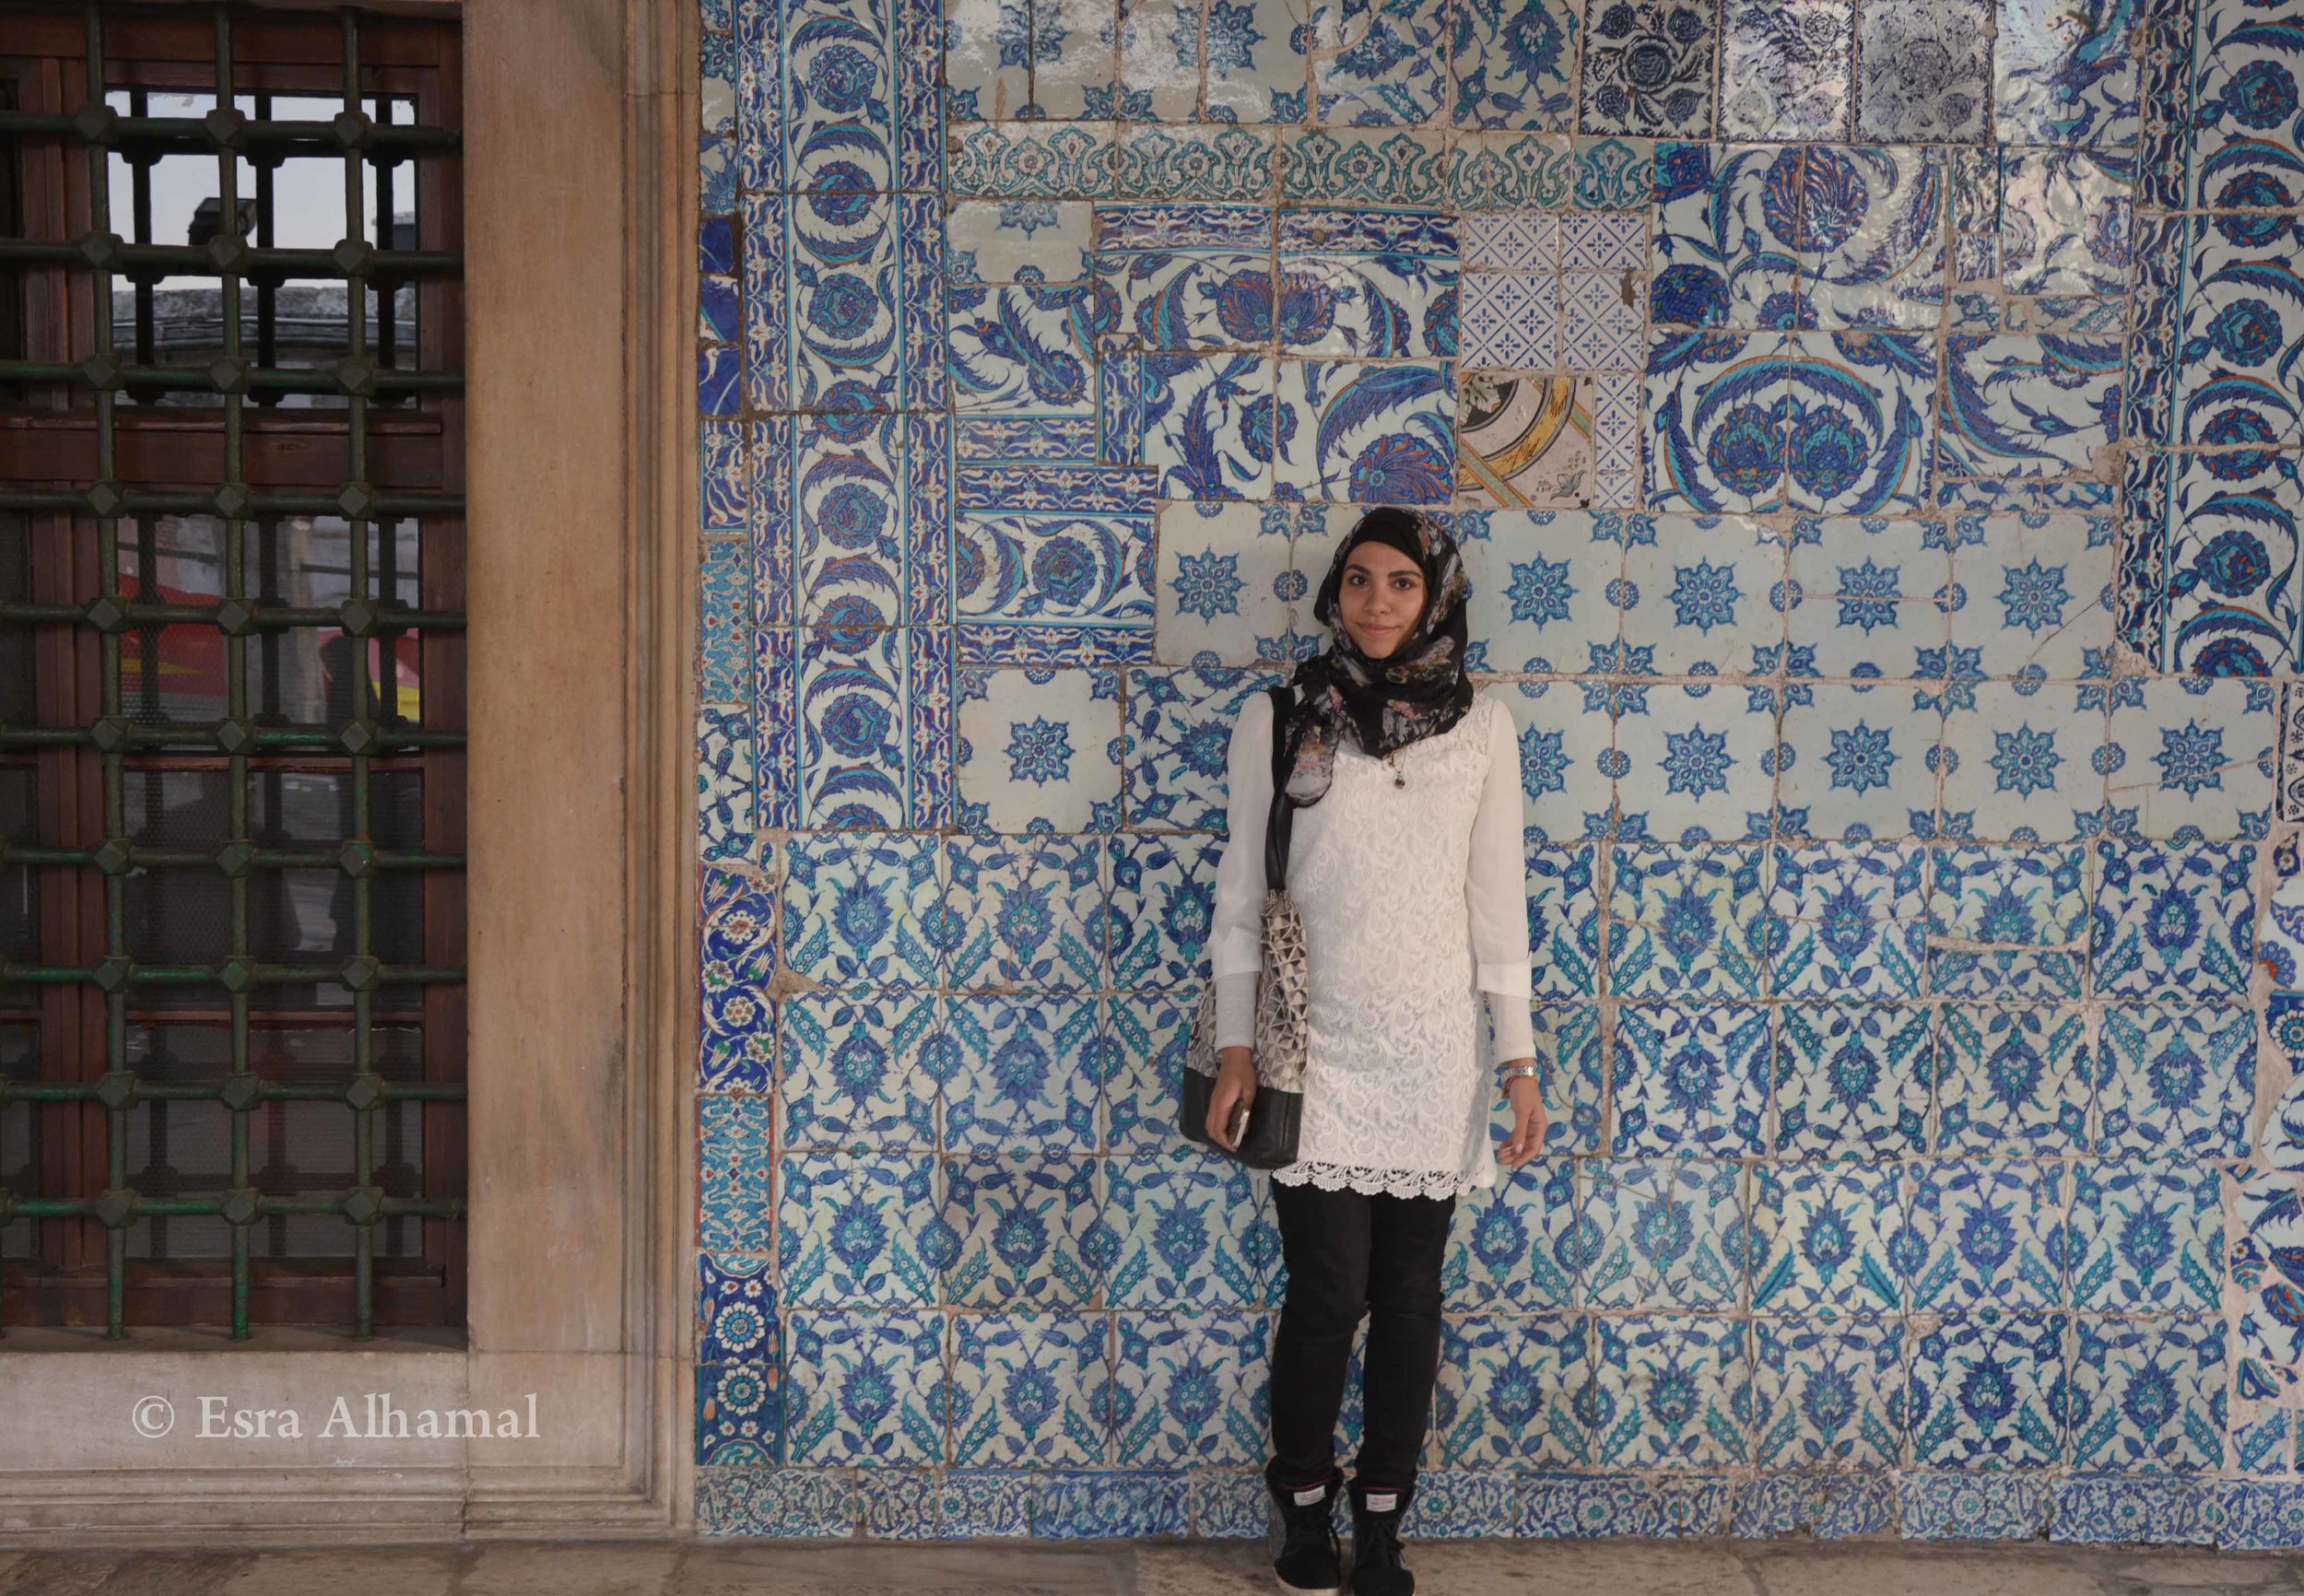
{"points": [[1822, 1238], [1038, 749], [855, 1069], [2245, 140], [1515, 64], [864, 1388], [736, 962], [2173, 922], [1021, 1079], [724, 778], [1829, 1395], [2244, 319], [1687, 922], [1853, 1081], [2194, 759], [1699, 596], [1870, 238], [1846, 921], [2175, 1082], [1024, 1229], [1663, 1232], [1026, 913], [1647, 70], [1859, 424], [1973, 1504], [1986, 1233], [1144, 1037], [1210, 426], [1723, 250], [1383, 62], [1023, 349], [1671, 1394], [2008, 922], [1207, 162], [1108, 1505], [1567, 759], [1163, 905], [2019, 405], [1601, 322], [1186, 1231], [2230, 585], [1786, 69], [857, 1230], [2146, 1398], [1159, 60], [1180, 296], [2022, 764], [1514, 1248], [1508, 319], [1179, 730], [1074, 61], [2065, 222], [2066, 76], [1543, 593], [1986, 1391], [1567, 1047], [1513, 1392], [1702, 765], [1022, 240], [1190, 1389], [1716, 442], [1030, 1390], [1373, 284], [2268, 1342], [2013, 1080], [2034, 597], [1859, 763], [2147, 1238], [1367, 434], [1071, 586], [1926, 73], [1225, 590], [864, 910], [852, 691], [1564, 902], [1692, 1081], [1256, 66]]}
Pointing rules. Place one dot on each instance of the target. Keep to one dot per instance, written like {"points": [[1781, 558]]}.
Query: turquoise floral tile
{"points": [[1853, 1080], [1183, 1232], [1022, 1072], [865, 1388], [1822, 1239], [2147, 1397], [1664, 1233], [1687, 922], [1984, 1391], [735, 1182], [1519, 1245], [1671, 1394], [857, 1069], [1024, 1229], [1190, 1389], [1829, 1396], [1691, 1079], [2145, 1238], [854, 1230], [1515, 1392], [1986, 1233], [1031, 1391]]}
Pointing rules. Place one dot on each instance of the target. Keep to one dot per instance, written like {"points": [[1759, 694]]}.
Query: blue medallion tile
{"points": [[1985, 1232], [758, 1501], [865, 1388], [1515, 64], [1022, 1073], [1364, 433], [1700, 596], [1986, 1389], [1516, 1246], [2194, 759], [1563, 887], [1664, 1233], [2146, 1238], [865, 910], [735, 1311], [1108, 1505], [1224, 592], [1190, 1389], [852, 688], [1649, 68], [2008, 922], [1715, 404], [1827, 1504], [1186, 1231], [1671, 1394], [2146, 1396], [1514, 1392], [1038, 749], [2175, 922], [1568, 758], [2013, 1080], [1699, 765], [1030, 1389], [1846, 921], [1255, 55], [1829, 1396], [1785, 69], [1687, 922], [1179, 730], [2035, 595], [735, 1182], [1857, 763], [1026, 913], [855, 1230], [2127, 1509], [1543, 593], [1074, 64], [1025, 1228], [739, 1415], [2021, 764], [1852, 1081], [2066, 76], [1977, 1506], [2175, 1082], [1822, 1238]]}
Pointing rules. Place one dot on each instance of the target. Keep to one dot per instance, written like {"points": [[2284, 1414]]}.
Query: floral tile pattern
{"points": [[1875, 435]]}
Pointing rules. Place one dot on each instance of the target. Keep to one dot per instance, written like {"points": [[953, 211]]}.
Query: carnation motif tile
{"points": [[1986, 1232], [2013, 1080], [2231, 590], [2175, 1082], [1072, 587], [1853, 1081], [1716, 438], [2173, 922], [1030, 1389], [1822, 1235], [1829, 1396], [1020, 1074], [1374, 284], [1986, 1389], [856, 1230], [1725, 233], [1515, 63], [1691, 1080], [1687, 923], [2147, 1238], [1146, 1034], [1513, 1392], [1189, 1390], [1186, 1233], [1024, 914], [1569, 1039], [1564, 900], [1663, 1232], [2146, 1398], [1178, 729], [854, 1069], [2008, 922], [864, 910], [1671, 1394], [864, 1388], [1846, 921], [1516, 1247], [2243, 108], [1024, 1231], [2243, 319]]}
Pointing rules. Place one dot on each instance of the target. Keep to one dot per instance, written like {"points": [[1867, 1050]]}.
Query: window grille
{"points": [[231, 668]]}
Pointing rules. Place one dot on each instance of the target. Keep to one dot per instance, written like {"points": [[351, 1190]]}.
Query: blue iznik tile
{"points": [[736, 1181], [2173, 922], [1183, 1232], [2146, 1396], [1543, 593], [1030, 1389], [738, 959], [1723, 237], [2175, 1082], [2130, 1509], [1518, 1245], [1366, 284], [2007, 921], [1857, 763], [1985, 1392], [1661, 1233], [1108, 1505], [1846, 921], [1972, 1505], [1190, 1389], [1023, 1073], [1700, 596], [1786, 68], [1023, 1228], [1649, 69], [1568, 758], [2066, 76], [1177, 732], [1563, 887], [1515, 1391], [1163, 907], [1830, 1395], [1985, 1232], [735, 1311], [864, 910], [855, 1069], [1687, 922], [1821, 1238], [2146, 1238], [1691, 1079], [1027, 913], [856, 1230], [1852, 1081], [2013, 1080], [1392, 67], [1671, 1394], [1515, 64], [1830, 1504], [1370, 434], [738, 1412], [1140, 1060], [1692, 764], [865, 1388]]}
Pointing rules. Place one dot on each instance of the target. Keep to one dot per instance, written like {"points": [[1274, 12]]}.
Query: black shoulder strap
{"points": [[1282, 820]]}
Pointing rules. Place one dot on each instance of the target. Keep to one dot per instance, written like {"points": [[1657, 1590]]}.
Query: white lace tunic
{"points": [[1413, 903]]}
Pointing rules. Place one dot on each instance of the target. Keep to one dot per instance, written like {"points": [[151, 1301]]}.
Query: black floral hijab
{"points": [[1418, 691]]}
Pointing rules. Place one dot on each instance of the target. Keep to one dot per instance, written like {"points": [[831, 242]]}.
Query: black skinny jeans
{"points": [[1348, 1253]]}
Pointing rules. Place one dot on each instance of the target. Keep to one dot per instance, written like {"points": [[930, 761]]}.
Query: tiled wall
{"points": [[1874, 431]]}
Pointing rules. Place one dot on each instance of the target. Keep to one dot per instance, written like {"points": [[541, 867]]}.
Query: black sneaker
{"points": [[1310, 1561], [1377, 1569]]}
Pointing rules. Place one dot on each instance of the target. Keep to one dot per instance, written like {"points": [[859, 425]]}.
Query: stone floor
{"points": [[1115, 1568]]}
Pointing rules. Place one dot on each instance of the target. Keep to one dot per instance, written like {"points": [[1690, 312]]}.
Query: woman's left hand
{"points": [[1530, 1124]]}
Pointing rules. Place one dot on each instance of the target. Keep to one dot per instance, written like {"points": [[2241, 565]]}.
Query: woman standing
{"points": [[1406, 864]]}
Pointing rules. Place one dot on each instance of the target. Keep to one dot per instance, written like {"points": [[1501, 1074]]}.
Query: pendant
{"points": [[1399, 776]]}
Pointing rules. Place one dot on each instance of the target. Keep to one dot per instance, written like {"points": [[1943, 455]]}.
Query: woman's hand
{"points": [[1235, 1090], [1530, 1124]]}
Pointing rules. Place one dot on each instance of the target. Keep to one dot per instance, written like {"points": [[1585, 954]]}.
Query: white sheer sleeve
{"points": [[1495, 896], [1236, 939]]}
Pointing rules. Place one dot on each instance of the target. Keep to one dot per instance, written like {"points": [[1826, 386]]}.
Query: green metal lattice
{"points": [[361, 737]]}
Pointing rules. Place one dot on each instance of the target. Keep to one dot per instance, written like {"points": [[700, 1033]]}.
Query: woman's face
{"points": [[1381, 597]]}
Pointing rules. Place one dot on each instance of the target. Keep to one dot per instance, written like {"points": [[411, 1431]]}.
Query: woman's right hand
{"points": [[1235, 1090]]}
